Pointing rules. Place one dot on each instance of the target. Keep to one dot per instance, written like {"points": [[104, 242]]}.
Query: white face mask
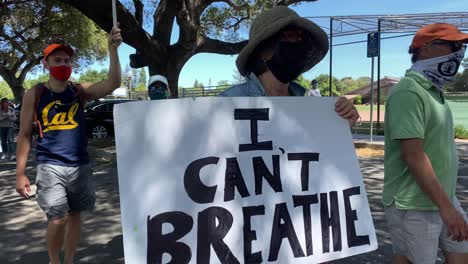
{"points": [[440, 70]]}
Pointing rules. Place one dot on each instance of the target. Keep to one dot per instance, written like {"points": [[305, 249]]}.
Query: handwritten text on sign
{"points": [[278, 194]]}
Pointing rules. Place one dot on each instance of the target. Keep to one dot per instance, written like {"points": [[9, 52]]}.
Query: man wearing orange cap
{"points": [[421, 164], [63, 183]]}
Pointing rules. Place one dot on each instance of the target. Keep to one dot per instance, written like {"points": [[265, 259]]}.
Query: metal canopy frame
{"points": [[395, 25]]}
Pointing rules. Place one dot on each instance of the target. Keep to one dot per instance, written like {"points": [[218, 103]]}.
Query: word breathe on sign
{"points": [[214, 223]]}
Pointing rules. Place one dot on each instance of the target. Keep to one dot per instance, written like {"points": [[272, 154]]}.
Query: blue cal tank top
{"points": [[64, 140]]}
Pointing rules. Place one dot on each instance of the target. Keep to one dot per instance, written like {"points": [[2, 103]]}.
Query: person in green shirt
{"points": [[421, 161]]}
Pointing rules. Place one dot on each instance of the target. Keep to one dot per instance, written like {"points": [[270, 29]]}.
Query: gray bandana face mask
{"points": [[440, 70]]}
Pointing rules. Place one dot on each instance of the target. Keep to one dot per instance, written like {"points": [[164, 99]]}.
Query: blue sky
{"points": [[349, 60]]}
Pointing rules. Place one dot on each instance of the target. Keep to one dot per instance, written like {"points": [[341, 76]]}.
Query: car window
{"points": [[102, 107], [107, 107]]}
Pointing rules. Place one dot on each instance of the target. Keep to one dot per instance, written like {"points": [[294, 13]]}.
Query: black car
{"points": [[100, 118]]}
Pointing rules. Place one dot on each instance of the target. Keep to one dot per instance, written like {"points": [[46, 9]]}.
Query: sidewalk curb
{"points": [[375, 146]]}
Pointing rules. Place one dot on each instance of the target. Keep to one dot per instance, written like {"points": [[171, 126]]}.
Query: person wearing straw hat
{"points": [[158, 87], [281, 46], [63, 179], [421, 163]]}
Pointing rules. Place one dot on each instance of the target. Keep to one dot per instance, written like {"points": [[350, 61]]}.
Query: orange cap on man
{"points": [[435, 31], [54, 47]]}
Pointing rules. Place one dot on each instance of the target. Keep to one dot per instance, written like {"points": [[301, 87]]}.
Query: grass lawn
{"points": [[367, 107]]}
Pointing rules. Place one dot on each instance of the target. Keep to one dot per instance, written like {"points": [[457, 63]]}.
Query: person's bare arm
{"points": [[420, 167], [24, 142], [105, 87]]}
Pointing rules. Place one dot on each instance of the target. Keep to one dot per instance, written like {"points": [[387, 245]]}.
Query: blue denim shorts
{"points": [[61, 190]]}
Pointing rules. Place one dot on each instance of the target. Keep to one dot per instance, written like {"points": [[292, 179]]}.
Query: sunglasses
{"points": [[454, 45], [158, 88]]}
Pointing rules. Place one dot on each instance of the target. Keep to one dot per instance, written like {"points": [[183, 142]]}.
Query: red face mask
{"points": [[61, 73]]}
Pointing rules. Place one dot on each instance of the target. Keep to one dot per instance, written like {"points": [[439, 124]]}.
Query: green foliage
{"points": [[223, 21], [141, 87], [301, 80], [383, 99], [461, 132], [93, 76], [142, 77], [223, 84], [135, 78], [340, 87], [358, 99], [348, 84], [27, 27], [197, 84], [460, 84], [237, 78], [5, 90], [465, 63], [324, 87], [29, 83], [41, 22]]}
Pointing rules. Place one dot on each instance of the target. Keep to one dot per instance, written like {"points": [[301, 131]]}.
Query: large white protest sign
{"points": [[239, 180]]}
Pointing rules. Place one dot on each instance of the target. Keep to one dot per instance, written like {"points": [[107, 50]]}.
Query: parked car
{"points": [[100, 118]]}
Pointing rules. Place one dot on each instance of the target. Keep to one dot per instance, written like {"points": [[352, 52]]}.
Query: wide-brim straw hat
{"points": [[270, 22]]}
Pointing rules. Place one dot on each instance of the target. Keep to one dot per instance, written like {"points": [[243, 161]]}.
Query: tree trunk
{"points": [[18, 92], [169, 71], [169, 66]]}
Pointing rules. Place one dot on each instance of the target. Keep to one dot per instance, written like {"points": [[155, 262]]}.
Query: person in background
{"points": [[158, 87], [7, 119], [314, 91]]}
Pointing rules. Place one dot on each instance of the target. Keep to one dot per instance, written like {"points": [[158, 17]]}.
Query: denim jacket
{"points": [[253, 87]]}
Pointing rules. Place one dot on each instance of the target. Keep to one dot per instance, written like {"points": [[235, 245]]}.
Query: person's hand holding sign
{"points": [[347, 110]]}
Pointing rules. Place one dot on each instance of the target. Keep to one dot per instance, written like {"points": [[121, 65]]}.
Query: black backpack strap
{"points": [[80, 93], [38, 90]]}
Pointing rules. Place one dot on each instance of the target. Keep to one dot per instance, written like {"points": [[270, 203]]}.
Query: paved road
{"points": [[22, 224]]}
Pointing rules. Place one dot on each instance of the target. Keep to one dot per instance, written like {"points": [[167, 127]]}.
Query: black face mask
{"points": [[156, 92], [289, 59]]}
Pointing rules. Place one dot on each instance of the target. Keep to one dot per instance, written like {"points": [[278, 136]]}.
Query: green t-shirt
{"points": [[417, 109]]}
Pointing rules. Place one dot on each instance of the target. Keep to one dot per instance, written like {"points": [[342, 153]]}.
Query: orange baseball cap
{"points": [[54, 47], [435, 31]]}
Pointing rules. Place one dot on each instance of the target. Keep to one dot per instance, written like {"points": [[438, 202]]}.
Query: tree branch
{"points": [[188, 26], [17, 64], [291, 2], [14, 43], [101, 13], [33, 62], [138, 11], [234, 26], [163, 21], [205, 3], [209, 45]]}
